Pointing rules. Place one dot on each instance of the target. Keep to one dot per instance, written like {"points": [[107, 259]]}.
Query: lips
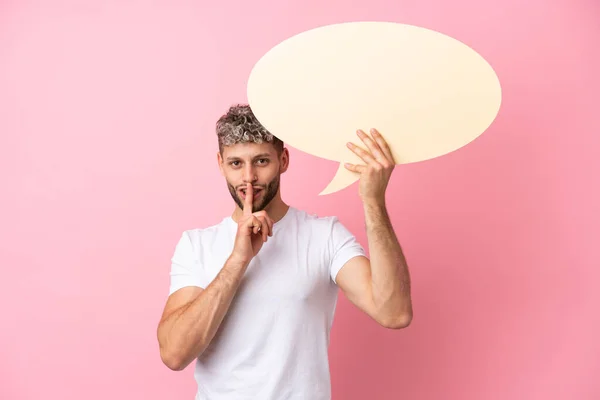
{"points": [[255, 193]]}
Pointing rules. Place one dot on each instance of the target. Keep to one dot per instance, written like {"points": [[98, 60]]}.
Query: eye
{"points": [[263, 161], [234, 163]]}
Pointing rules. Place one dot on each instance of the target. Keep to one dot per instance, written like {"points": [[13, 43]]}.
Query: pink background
{"points": [[107, 153]]}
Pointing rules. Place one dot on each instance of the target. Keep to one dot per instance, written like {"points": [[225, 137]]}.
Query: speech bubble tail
{"points": [[342, 179]]}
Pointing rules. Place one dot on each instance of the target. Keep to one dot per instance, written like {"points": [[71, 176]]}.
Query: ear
{"points": [[220, 162], [284, 160]]}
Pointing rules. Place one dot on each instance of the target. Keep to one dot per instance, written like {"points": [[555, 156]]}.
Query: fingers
{"points": [[261, 223], [379, 150], [372, 146], [248, 202], [255, 224], [385, 148], [266, 224], [364, 155], [260, 226], [355, 168], [263, 228]]}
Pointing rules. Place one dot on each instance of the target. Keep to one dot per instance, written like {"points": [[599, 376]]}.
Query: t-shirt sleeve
{"points": [[343, 247], [185, 265]]}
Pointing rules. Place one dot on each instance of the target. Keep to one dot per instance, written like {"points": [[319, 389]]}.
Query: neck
{"points": [[276, 209]]}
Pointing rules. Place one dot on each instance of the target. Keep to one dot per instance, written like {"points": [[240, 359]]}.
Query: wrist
{"points": [[374, 202], [237, 261]]}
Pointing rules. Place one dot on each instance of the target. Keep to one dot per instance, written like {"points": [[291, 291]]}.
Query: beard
{"points": [[269, 192]]}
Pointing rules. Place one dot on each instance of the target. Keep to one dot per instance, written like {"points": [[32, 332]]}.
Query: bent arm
{"points": [[380, 286], [192, 316], [390, 278]]}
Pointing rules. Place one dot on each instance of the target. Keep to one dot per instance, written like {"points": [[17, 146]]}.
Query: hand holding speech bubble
{"points": [[426, 93]]}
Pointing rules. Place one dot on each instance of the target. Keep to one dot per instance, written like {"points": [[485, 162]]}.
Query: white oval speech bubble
{"points": [[426, 93]]}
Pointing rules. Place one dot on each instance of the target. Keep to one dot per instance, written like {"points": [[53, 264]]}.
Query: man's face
{"points": [[258, 164]]}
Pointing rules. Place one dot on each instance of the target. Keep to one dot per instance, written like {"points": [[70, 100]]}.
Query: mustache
{"points": [[253, 186]]}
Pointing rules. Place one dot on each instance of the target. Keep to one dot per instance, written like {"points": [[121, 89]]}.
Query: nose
{"points": [[250, 174]]}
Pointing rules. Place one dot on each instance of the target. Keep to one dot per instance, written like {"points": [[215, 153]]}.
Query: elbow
{"points": [[173, 361], [177, 355], [393, 313], [398, 321]]}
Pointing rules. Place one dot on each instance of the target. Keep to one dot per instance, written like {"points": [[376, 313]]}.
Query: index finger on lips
{"points": [[248, 201]]}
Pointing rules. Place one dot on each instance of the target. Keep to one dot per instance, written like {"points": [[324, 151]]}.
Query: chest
{"points": [[287, 269]]}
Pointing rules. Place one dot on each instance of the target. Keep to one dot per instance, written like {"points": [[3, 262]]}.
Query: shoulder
{"points": [[316, 223], [306, 217], [198, 236]]}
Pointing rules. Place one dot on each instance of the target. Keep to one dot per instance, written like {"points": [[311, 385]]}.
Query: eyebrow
{"points": [[262, 155]]}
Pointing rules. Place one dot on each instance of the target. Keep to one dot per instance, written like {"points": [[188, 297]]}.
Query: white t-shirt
{"points": [[273, 341]]}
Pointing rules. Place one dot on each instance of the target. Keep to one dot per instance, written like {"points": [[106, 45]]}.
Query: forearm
{"points": [[189, 330], [389, 271]]}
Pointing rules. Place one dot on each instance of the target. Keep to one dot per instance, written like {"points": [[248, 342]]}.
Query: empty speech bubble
{"points": [[426, 93]]}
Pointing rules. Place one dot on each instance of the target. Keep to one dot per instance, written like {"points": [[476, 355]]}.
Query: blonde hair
{"points": [[240, 125]]}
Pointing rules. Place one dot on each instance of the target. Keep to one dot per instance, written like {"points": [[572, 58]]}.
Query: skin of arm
{"points": [[390, 279], [192, 315], [381, 285]]}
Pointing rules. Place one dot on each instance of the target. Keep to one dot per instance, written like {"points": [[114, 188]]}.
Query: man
{"points": [[252, 298]]}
